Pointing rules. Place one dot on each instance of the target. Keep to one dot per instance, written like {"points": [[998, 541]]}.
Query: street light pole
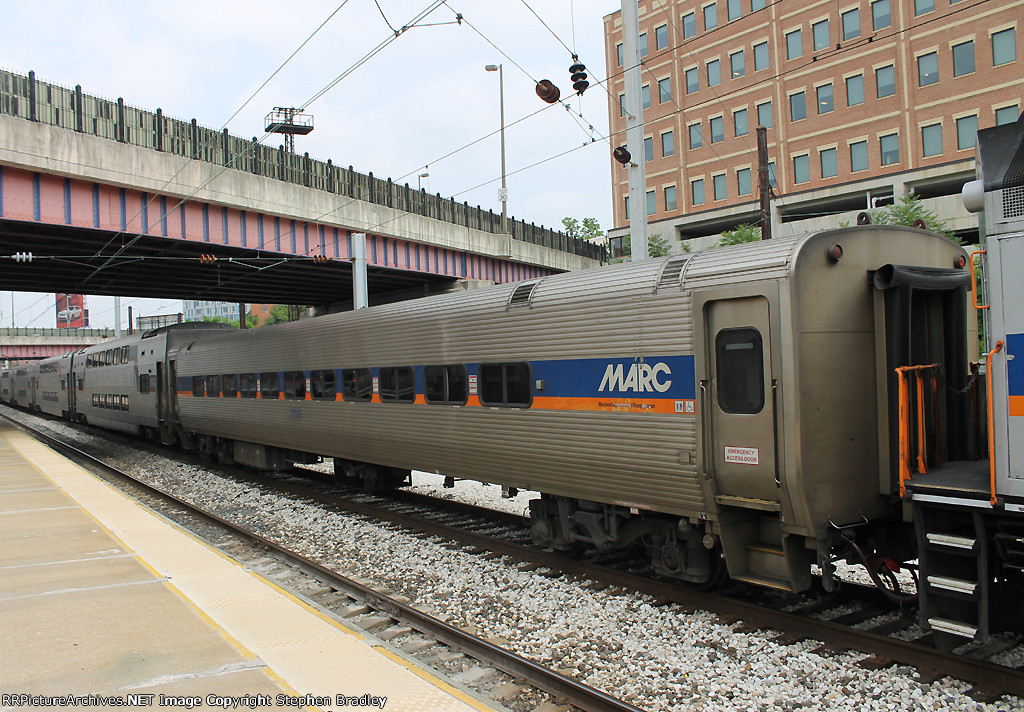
{"points": [[503, 194]]}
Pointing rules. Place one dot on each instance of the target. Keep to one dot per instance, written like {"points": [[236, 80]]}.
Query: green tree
{"points": [[250, 320], [278, 315], [908, 210], [657, 246], [742, 233], [589, 229]]}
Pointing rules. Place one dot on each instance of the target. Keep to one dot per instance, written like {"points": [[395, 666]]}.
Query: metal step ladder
{"points": [[954, 596]]}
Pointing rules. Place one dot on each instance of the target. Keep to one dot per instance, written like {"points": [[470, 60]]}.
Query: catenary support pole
{"points": [[764, 186], [634, 131]]}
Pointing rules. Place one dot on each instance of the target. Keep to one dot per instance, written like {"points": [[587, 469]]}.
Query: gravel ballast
{"points": [[658, 658]]}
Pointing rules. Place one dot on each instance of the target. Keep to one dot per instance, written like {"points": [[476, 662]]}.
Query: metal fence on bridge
{"points": [[28, 98]]}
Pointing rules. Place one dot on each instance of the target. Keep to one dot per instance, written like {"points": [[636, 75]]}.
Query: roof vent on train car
{"points": [[522, 294], [672, 272]]}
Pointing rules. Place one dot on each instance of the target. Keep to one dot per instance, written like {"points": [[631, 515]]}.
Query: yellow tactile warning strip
{"points": [[313, 655]]}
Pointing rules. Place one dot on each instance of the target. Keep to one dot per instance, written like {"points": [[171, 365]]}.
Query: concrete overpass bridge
{"points": [[22, 343], [112, 199]]}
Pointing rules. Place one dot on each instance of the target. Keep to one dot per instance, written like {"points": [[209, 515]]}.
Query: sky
{"points": [[423, 96]]}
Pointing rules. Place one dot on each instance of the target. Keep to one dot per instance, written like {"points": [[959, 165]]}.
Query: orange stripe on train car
{"points": [[1017, 405], [618, 405]]}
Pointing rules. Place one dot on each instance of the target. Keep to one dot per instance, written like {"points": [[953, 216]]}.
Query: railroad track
{"points": [[794, 617], [386, 616]]}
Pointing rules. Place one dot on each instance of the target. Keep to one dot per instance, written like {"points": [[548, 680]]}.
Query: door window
{"points": [[739, 365]]}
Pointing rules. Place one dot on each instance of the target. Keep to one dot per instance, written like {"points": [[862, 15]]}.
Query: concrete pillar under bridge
{"points": [[31, 344], [52, 177]]}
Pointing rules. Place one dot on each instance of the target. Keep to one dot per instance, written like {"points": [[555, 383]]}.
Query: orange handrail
{"points": [[991, 424], [974, 282], [904, 423]]}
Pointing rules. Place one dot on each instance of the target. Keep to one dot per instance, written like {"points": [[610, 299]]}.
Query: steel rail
{"points": [[572, 691]]}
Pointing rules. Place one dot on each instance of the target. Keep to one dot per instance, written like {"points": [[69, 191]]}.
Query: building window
{"points": [[714, 72], [665, 90], [881, 14], [851, 23], [643, 44], [1004, 47], [764, 114], [627, 207], [761, 58], [721, 186], [717, 124], [885, 81], [622, 104], [966, 132], [692, 80], [645, 96], [668, 143], [855, 90], [756, 5], [928, 69], [743, 181], [710, 16], [859, 156], [445, 385], [889, 145], [819, 34], [670, 198], [618, 53], [737, 64], [739, 122], [1006, 115], [689, 25], [734, 9], [397, 385], [652, 202], [797, 106], [825, 99], [963, 58], [931, 140], [794, 44], [801, 168], [356, 384], [771, 176], [661, 37], [696, 140], [829, 163], [505, 384], [697, 191], [923, 6], [649, 148]]}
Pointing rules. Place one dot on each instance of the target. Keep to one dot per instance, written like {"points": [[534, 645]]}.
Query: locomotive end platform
{"points": [[100, 596]]}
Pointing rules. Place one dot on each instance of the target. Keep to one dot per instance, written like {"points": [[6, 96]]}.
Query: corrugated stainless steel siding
{"points": [[606, 312]]}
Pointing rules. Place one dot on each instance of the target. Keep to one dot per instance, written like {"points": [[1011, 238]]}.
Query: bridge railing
{"points": [[13, 331], [28, 98]]}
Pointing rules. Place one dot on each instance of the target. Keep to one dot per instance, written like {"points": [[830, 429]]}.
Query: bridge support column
{"points": [[360, 293]]}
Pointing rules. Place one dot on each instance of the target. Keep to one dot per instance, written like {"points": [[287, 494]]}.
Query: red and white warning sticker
{"points": [[741, 455]]}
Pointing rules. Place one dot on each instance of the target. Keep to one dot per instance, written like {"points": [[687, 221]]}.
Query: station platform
{"points": [[102, 597]]}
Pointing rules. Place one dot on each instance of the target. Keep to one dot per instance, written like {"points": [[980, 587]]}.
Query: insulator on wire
{"points": [[547, 91], [621, 154], [578, 75], [207, 259], [22, 257], [319, 259]]}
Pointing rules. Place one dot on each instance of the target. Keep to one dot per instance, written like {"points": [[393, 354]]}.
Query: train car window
{"points": [[505, 384], [445, 384], [739, 365], [107, 401], [124, 354], [295, 385], [108, 357], [95, 401], [124, 403], [212, 386], [397, 385], [322, 385], [270, 385], [198, 386], [144, 383], [247, 385], [356, 384], [229, 385]]}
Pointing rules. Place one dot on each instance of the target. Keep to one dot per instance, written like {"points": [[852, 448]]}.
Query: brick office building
{"points": [[864, 100]]}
